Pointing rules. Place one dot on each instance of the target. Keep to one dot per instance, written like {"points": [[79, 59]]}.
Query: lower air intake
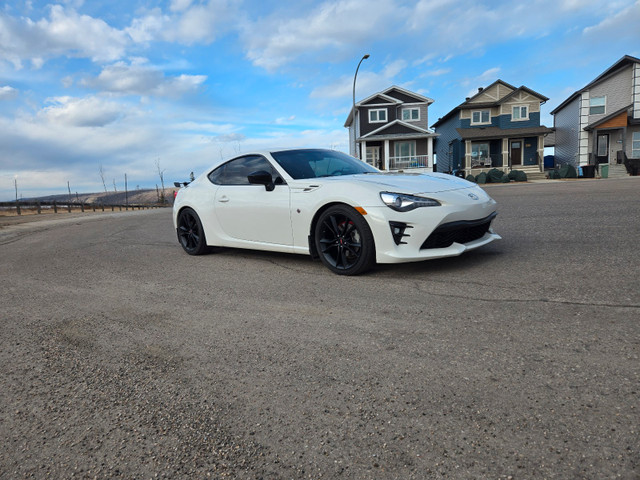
{"points": [[458, 232]]}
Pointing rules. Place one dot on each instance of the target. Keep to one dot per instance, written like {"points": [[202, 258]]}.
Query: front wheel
{"points": [[344, 241], [190, 233]]}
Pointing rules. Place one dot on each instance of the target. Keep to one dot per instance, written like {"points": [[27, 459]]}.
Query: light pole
{"points": [[355, 112]]}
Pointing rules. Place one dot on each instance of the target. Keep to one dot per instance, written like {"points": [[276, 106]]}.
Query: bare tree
{"points": [[161, 175], [102, 177], [115, 189]]}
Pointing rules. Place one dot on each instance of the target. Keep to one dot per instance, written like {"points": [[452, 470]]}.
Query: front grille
{"points": [[464, 231]]}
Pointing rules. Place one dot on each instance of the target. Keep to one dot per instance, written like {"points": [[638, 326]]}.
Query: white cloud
{"points": [[148, 27], [81, 112], [179, 5], [65, 32], [334, 25], [230, 137], [285, 120], [455, 27], [617, 25], [187, 23], [483, 80], [367, 82], [139, 78], [7, 92], [436, 73]]}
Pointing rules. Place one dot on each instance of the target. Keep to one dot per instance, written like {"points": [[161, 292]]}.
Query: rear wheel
{"points": [[190, 232], [344, 241]]}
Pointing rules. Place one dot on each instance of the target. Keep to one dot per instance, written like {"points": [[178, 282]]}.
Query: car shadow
{"points": [[468, 260]]}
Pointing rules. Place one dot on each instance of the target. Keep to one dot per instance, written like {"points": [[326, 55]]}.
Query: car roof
{"points": [[263, 153]]}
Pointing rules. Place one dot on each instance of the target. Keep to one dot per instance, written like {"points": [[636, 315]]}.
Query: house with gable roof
{"points": [[389, 130], [600, 123], [498, 127]]}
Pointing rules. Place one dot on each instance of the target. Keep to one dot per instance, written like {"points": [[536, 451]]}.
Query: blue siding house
{"points": [[499, 127]]}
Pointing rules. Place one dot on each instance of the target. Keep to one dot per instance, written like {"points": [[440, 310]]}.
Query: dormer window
{"points": [[480, 116], [410, 114], [520, 112], [378, 115]]}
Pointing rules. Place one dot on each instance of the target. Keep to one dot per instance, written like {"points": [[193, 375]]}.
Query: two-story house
{"points": [[499, 127], [600, 124], [389, 130]]}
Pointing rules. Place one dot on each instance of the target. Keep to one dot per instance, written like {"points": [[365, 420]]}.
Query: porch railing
{"points": [[486, 161], [415, 161]]}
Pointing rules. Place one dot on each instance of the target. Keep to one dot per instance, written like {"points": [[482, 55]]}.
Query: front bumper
{"points": [[460, 224]]}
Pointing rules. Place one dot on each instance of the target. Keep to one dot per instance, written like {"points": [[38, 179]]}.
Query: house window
{"points": [[405, 149], [520, 112], [597, 105], [378, 116], [410, 114], [481, 116], [480, 155], [635, 145]]}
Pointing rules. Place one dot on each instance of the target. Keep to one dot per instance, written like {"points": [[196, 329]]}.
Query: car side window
{"points": [[235, 172], [214, 176]]}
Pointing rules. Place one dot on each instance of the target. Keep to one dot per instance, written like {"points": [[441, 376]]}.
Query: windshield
{"points": [[301, 164]]}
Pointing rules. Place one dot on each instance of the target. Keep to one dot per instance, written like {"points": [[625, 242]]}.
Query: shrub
{"points": [[495, 176], [568, 171], [519, 176]]}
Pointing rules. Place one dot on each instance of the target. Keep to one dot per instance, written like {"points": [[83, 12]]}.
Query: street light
{"points": [[354, 106]]}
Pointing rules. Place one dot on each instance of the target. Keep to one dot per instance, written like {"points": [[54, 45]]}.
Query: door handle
{"points": [[223, 199]]}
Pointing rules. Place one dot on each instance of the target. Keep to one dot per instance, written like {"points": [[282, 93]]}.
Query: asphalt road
{"points": [[121, 356]]}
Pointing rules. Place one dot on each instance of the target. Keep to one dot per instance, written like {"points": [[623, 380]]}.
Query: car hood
{"points": [[415, 184]]}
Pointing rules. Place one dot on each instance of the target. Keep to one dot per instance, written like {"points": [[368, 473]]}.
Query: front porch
{"points": [[505, 154], [395, 155], [504, 149]]}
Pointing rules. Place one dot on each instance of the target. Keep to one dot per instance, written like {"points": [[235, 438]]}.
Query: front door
{"points": [[373, 157], [516, 152], [602, 148]]}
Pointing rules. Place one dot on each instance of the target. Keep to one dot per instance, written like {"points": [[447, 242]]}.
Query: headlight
{"points": [[401, 202]]}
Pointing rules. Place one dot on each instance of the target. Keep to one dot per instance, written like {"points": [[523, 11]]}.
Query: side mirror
{"points": [[262, 177]]}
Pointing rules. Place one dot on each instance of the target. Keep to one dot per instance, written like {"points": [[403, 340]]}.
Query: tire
{"points": [[344, 241], [190, 232]]}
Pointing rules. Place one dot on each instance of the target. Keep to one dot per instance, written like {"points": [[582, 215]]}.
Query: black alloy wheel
{"points": [[344, 241], [191, 233]]}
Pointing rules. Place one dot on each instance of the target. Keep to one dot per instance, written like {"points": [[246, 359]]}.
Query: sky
{"points": [[93, 90]]}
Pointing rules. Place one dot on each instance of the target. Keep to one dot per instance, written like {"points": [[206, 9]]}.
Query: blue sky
{"points": [[132, 84]]}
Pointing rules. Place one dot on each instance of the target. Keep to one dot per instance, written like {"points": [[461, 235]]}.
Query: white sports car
{"points": [[330, 205]]}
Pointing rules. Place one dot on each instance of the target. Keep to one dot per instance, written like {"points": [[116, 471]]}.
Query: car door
{"points": [[252, 212]]}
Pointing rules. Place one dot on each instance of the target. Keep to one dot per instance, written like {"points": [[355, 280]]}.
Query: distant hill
{"points": [[137, 197]]}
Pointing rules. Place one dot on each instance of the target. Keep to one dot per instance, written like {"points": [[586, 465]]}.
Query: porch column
{"points": [[430, 153], [386, 155], [541, 152], [363, 151], [505, 153], [467, 155]]}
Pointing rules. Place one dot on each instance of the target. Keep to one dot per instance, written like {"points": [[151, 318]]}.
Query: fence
{"points": [[40, 207]]}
